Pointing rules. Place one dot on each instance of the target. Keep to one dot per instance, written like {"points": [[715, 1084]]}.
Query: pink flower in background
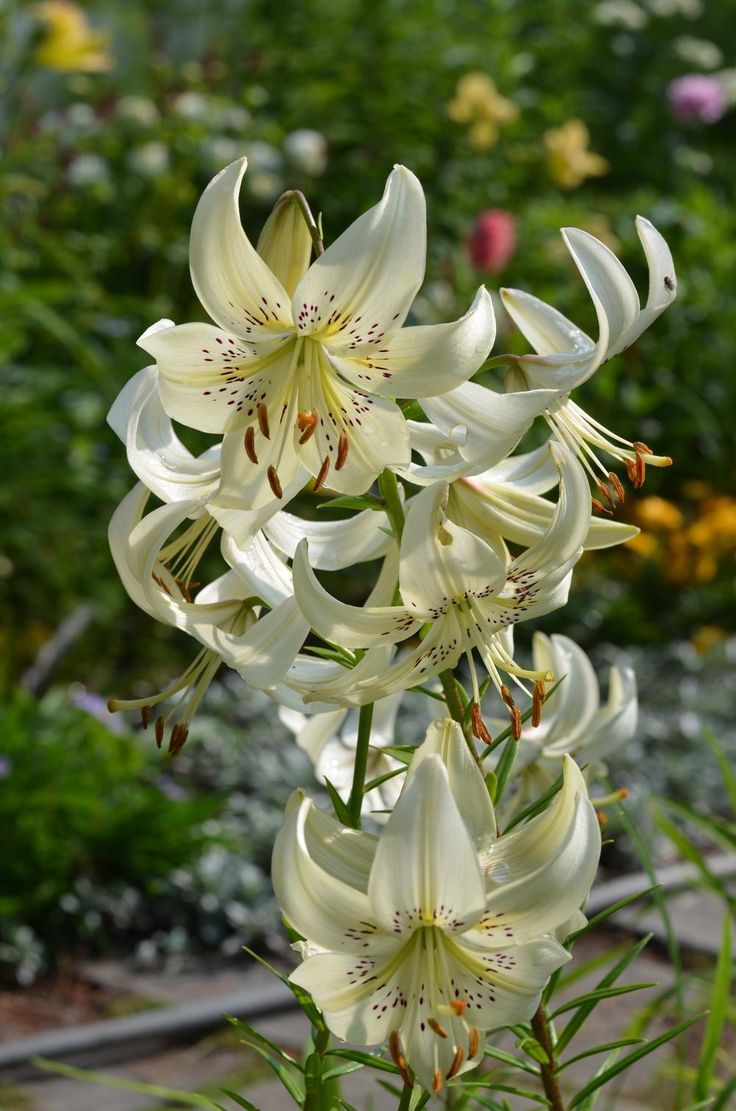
{"points": [[493, 240], [697, 96]]}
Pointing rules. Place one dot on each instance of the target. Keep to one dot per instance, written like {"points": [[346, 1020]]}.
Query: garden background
{"points": [[114, 115]]}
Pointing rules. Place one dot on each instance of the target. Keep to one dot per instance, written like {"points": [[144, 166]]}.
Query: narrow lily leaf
{"points": [[509, 1059], [720, 832], [370, 1060], [718, 1011], [340, 807], [294, 1087], [342, 1070], [606, 1048], [673, 947], [436, 695], [604, 914], [343, 1103], [630, 1059], [599, 994], [608, 980], [403, 753], [722, 1099], [581, 969], [589, 1103], [504, 766], [336, 654], [687, 850], [728, 775], [373, 783], [255, 1036], [240, 1100], [189, 1099], [302, 997], [536, 807], [495, 1086], [360, 501]]}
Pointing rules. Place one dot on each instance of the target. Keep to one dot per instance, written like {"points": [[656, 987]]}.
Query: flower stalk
{"points": [[550, 1082], [355, 802]]}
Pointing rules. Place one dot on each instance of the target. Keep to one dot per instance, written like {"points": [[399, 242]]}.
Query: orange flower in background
{"points": [[694, 550], [657, 513], [569, 159], [70, 45], [478, 103]]}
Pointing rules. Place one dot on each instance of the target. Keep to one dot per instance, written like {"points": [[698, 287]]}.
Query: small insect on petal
{"points": [[249, 442], [262, 413]]}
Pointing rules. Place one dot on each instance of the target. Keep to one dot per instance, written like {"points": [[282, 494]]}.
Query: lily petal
{"points": [[362, 287], [233, 283], [333, 545]]}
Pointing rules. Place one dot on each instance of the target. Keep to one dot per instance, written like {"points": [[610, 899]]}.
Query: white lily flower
{"points": [[460, 585], [574, 724], [436, 930], [330, 741], [172, 473], [566, 357], [506, 500], [300, 376], [226, 617]]}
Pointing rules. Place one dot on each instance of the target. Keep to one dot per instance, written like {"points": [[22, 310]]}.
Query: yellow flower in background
{"points": [[569, 160], [70, 44], [658, 513], [707, 637], [478, 103]]}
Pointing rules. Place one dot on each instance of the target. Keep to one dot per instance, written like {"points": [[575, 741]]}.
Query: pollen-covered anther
{"points": [[537, 702], [479, 726], [605, 492], [343, 445], [262, 413], [459, 1006], [159, 728], [516, 723], [617, 486], [274, 482], [397, 1054], [145, 713], [473, 1041], [179, 734], [249, 443], [456, 1062], [321, 475], [307, 424], [435, 1025], [599, 507], [437, 1081]]}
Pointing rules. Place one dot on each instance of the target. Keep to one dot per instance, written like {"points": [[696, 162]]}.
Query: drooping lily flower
{"points": [[574, 724], [506, 500], [226, 616], [462, 587], [566, 357], [437, 930], [301, 365]]}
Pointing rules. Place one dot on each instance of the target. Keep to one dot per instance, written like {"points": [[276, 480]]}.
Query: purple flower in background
{"points": [[5, 767], [696, 96], [96, 707], [171, 789]]}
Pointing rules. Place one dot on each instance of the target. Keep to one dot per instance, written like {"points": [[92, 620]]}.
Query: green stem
{"points": [[405, 1100], [355, 802], [313, 1097], [389, 487], [295, 196], [549, 1071]]}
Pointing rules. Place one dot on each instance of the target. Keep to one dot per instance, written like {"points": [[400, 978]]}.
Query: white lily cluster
{"points": [[303, 378]]}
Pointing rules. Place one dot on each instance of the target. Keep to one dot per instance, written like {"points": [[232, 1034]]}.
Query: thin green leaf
{"points": [[370, 1060], [630, 1059], [608, 980], [717, 1017], [255, 1036], [338, 804], [600, 993], [358, 501], [189, 1099], [342, 1070], [504, 766], [302, 997], [604, 914], [335, 654], [718, 830], [728, 775], [722, 1100], [599, 1049], [537, 807], [509, 1059], [240, 1100], [373, 783], [403, 753]]}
